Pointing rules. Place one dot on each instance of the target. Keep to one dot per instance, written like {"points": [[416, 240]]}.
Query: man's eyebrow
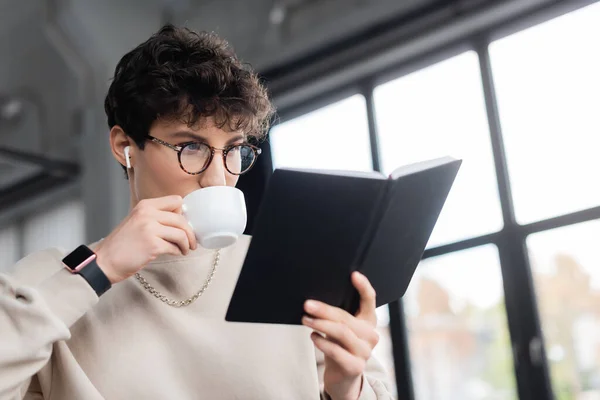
{"points": [[187, 135], [235, 139], [195, 136]]}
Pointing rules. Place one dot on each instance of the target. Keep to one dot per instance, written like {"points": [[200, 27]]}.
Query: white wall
{"points": [[62, 226], [9, 247]]}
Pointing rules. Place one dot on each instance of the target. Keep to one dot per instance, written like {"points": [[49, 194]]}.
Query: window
{"points": [[458, 336], [567, 281], [440, 111], [332, 137], [548, 88]]}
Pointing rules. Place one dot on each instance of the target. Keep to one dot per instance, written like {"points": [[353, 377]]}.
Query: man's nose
{"points": [[215, 174]]}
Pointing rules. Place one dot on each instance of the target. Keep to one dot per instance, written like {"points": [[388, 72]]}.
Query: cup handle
{"points": [[184, 210]]}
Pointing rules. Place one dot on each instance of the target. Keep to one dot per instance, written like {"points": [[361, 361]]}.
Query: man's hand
{"points": [[153, 227], [346, 340]]}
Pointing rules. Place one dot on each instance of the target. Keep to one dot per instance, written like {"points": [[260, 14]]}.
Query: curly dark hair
{"points": [[180, 74]]}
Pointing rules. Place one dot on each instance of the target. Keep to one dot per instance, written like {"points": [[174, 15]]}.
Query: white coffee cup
{"points": [[217, 214]]}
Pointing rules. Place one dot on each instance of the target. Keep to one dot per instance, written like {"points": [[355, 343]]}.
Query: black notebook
{"points": [[314, 228]]}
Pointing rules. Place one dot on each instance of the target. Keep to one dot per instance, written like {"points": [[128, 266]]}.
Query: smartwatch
{"points": [[82, 261]]}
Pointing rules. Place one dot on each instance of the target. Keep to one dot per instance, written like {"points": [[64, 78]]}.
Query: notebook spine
{"points": [[351, 299]]}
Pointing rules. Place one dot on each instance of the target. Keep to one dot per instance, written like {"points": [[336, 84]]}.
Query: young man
{"points": [[182, 111]]}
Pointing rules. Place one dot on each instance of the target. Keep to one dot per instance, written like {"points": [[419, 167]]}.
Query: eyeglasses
{"points": [[195, 157]]}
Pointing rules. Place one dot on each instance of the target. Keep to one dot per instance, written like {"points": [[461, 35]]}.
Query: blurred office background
{"points": [[506, 303]]}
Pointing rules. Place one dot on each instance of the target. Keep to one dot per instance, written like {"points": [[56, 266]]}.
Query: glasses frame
{"points": [[224, 151]]}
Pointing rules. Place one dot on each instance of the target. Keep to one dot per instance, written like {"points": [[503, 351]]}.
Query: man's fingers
{"points": [[178, 221], [176, 236], [166, 203], [321, 310], [342, 334], [362, 328], [165, 247], [368, 297], [351, 365]]}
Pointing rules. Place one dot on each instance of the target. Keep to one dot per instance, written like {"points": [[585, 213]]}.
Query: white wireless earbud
{"points": [[126, 151]]}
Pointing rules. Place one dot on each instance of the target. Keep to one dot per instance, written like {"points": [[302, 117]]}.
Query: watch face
{"points": [[80, 255]]}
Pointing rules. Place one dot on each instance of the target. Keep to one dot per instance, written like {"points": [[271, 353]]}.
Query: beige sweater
{"points": [[59, 341]]}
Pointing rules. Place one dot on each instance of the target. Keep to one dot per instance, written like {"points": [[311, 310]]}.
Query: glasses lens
{"points": [[194, 157], [240, 159]]}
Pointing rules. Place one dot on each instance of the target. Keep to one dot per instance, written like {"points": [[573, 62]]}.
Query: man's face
{"points": [[157, 172]]}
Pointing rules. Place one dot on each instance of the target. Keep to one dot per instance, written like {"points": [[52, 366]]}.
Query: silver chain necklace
{"points": [[181, 303]]}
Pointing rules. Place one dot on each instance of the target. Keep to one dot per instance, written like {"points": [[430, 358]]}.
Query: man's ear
{"points": [[118, 142]]}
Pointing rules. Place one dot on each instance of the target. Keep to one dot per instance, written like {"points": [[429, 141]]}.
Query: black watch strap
{"points": [[95, 277]]}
